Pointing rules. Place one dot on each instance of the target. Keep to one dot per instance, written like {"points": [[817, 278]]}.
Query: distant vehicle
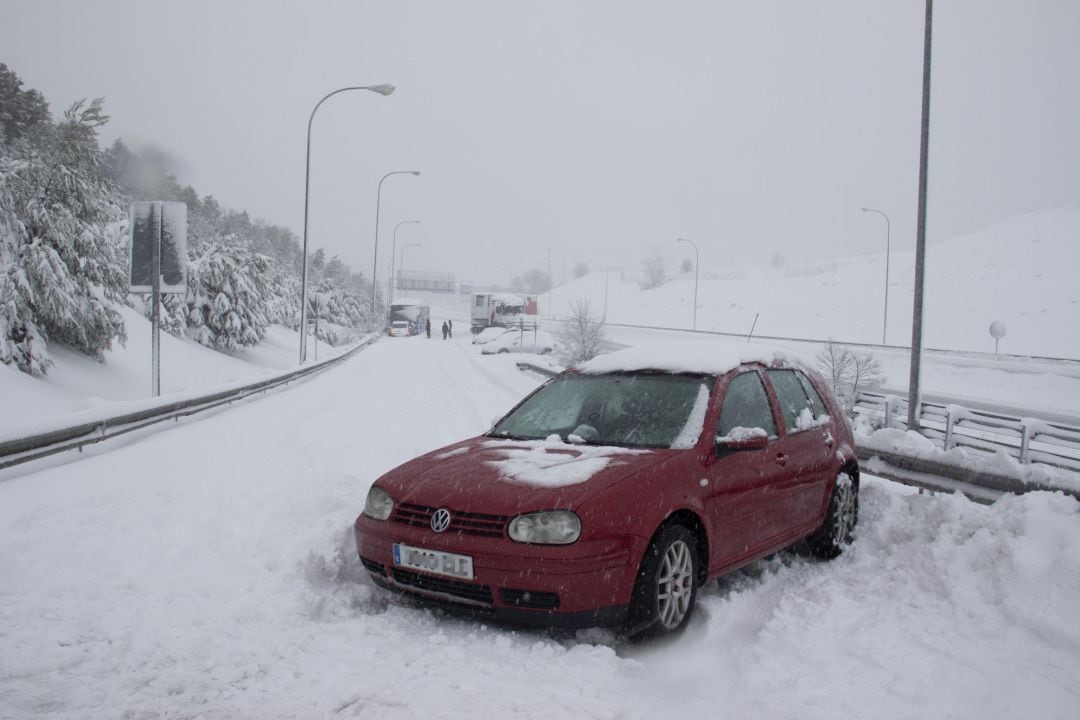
{"points": [[502, 310], [614, 492], [401, 328], [520, 341], [488, 334], [413, 312]]}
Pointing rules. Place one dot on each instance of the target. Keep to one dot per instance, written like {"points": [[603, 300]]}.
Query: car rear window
{"points": [[799, 410]]}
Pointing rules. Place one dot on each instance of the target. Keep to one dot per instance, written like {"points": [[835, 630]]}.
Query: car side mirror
{"points": [[742, 441]]}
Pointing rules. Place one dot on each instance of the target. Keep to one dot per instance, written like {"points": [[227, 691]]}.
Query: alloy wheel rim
{"points": [[844, 514], [675, 585]]}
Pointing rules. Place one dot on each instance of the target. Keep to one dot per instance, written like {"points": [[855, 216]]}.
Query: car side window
{"points": [[816, 403], [745, 405], [797, 408]]}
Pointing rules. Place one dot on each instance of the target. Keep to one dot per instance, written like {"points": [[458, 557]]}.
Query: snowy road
{"points": [[208, 572]]}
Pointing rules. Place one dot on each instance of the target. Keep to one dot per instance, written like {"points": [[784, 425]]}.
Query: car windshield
{"points": [[625, 409]]}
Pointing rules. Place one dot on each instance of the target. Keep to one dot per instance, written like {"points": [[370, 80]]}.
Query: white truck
{"points": [[502, 310]]}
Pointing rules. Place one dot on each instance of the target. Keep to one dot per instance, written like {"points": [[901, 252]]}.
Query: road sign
{"points": [[158, 264], [164, 225]]}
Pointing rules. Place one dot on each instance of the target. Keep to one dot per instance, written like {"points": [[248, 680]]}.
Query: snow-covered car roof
{"points": [[488, 334], [710, 357]]}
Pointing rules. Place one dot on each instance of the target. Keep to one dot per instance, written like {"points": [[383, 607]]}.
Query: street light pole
{"points": [[380, 89], [888, 233], [695, 275], [393, 253], [375, 258]]}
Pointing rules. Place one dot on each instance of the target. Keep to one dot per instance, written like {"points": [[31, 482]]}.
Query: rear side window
{"points": [[745, 405], [800, 404], [816, 404]]}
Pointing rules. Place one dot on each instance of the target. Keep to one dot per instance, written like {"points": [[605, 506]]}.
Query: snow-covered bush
{"points": [[850, 373]]}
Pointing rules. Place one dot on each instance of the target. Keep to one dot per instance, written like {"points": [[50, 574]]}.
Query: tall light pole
{"points": [[914, 396], [695, 275], [380, 89], [375, 259], [393, 253], [888, 232]]}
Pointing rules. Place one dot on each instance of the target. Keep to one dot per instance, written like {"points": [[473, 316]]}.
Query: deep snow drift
{"points": [[208, 571]]}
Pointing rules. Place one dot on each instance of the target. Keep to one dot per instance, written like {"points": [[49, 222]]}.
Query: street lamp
{"points": [[393, 253], [381, 90], [695, 275], [888, 232], [375, 258]]}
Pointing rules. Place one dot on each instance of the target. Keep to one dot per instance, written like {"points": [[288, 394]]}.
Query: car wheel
{"points": [[503, 350], [666, 587], [836, 531], [546, 351]]}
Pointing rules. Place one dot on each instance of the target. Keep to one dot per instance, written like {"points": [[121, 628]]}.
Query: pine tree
{"points": [[62, 255]]}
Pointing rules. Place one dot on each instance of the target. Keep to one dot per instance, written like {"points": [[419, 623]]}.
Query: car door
{"points": [[742, 489], [806, 446]]}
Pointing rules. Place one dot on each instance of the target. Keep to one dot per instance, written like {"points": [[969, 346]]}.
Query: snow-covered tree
{"points": [[63, 263], [227, 297], [581, 336], [652, 272]]}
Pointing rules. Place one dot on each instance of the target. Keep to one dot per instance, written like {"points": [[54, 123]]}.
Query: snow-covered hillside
{"points": [[1022, 271]]}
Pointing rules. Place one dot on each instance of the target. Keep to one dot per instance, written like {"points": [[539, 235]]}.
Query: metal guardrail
{"points": [[34, 447], [1028, 440]]}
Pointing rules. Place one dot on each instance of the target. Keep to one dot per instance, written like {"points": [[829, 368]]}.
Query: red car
{"points": [[611, 493]]}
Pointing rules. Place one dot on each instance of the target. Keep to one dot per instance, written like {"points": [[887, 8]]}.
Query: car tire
{"points": [[836, 531], [666, 588], [503, 351]]}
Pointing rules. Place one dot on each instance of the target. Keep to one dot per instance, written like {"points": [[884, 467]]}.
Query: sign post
{"points": [[158, 263], [997, 331]]}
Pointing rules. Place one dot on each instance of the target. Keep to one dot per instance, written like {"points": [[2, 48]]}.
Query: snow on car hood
{"points": [[551, 463], [499, 476]]}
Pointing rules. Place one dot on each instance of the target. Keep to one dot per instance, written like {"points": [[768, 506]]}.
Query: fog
{"points": [[554, 133]]}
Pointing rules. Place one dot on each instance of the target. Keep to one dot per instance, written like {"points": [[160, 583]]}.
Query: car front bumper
{"points": [[585, 584]]}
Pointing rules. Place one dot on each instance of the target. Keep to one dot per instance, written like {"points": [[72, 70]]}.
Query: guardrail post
{"points": [[1025, 441], [891, 404], [948, 427]]}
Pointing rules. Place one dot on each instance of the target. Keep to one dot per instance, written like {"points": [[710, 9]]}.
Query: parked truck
{"points": [[408, 317], [502, 310]]}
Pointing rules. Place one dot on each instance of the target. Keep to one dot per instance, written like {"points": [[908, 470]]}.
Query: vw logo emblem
{"points": [[440, 520]]}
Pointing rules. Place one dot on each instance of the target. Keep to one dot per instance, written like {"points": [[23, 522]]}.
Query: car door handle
{"points": [[781, 459]]}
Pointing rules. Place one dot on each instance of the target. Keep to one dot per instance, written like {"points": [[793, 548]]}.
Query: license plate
{"points": [[433, 561]]}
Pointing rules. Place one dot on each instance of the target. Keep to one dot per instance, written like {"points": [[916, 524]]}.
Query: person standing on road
{"points": [[450, 328], [429, 328], [445, 330]]}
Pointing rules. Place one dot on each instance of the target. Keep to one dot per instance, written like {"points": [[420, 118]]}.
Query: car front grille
{"points": [[445, 586], [463, 523], [533, 599]]}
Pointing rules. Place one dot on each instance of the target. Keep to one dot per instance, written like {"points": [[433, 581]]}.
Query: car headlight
{"points": [[555, 527], [379, 504]]}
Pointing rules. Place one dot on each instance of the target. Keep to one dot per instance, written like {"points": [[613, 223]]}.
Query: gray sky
{"points": [[603, 130]]}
